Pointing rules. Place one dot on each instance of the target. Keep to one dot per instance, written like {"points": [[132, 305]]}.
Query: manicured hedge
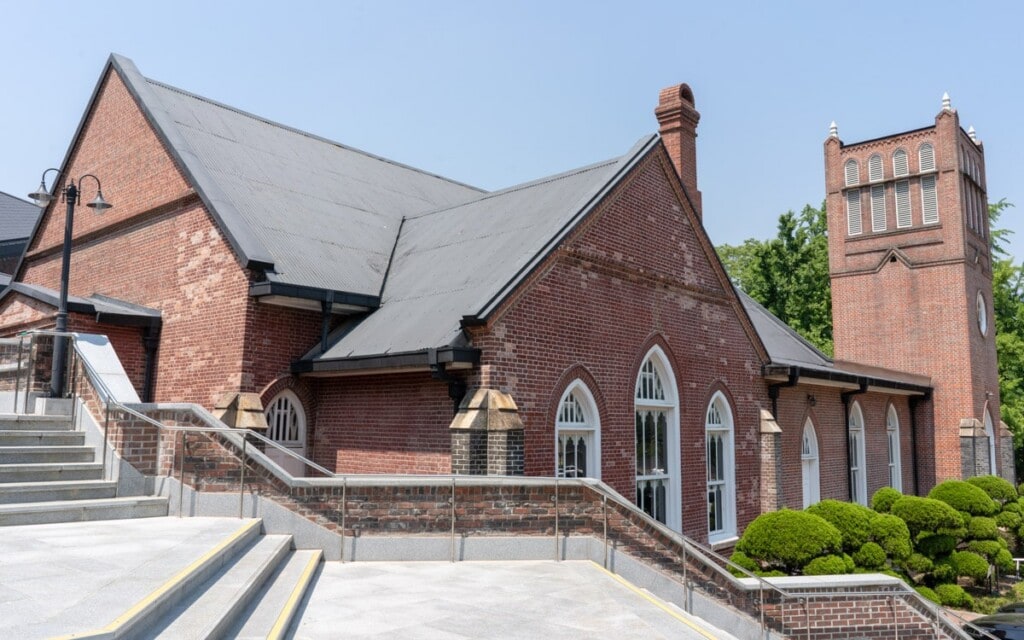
{"points": [[927, 515], [884, 498], [852, 520], [997, 488], [892, 534], [789, 539], [965, 497]]}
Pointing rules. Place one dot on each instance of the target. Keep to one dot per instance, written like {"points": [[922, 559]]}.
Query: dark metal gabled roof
{"points": [[105, 309], [311, 212], [462, 260], [17, 217]]}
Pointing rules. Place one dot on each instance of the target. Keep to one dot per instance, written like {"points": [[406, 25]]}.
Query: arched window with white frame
{"points": [[892, 431], [809, 465], [656, 408], [286, 425], [858, 470], [577, 434], [990, 432], [719, 430]]}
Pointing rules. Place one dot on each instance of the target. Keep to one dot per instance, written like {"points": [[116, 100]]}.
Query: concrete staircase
{"points": [[48, 474]]}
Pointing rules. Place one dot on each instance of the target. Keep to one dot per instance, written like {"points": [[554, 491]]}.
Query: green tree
{"points": [[1008, 307], [788, 274]]}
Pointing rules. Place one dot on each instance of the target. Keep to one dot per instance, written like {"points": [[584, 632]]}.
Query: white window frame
{"points": [[719, 430], [876, 168], [810, 465], [878, 213], [588, 426], [897, 170], [990, 432], [854, 217], [926, 157], [892, 432], [286, 420], [929, 200], [858, 466], [981, 310], [851, 173], [668, 405], [901, 191]]}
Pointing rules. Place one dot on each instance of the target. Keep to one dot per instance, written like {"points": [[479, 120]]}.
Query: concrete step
{"points": [[19, 492], [26, 438], [214, 605], [51, 472], [32, 422], [271, 613], [36, 455], [82, 510]]}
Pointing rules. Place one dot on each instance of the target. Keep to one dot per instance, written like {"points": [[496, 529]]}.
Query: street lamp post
{"points": [[71, 195]]}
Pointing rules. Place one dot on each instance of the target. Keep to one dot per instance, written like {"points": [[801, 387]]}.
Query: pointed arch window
{"points": [[858, 477], [656, 411], [809, 465], [577, 434], [892, 430], [721, 461]]}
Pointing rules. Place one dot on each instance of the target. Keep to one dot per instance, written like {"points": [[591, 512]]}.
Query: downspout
{"points": [[150, 342], [845, 397], [325, 321], [913, 402], [773, 389], [456, 386]]}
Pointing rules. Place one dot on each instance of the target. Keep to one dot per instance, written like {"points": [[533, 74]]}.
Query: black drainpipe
{"points": [[845, 397], [456, 386], [773, 389], [150, 342], [912, 402], [325, 324]]}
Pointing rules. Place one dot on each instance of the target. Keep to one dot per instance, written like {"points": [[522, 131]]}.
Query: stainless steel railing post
{"points": [[344, 502], [557, 555], [106, 434], [604, 513], [453, 520], [181, 473], [17, 376]]}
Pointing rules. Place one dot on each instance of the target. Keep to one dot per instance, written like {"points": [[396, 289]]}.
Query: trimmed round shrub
{"points": [[869, 556], [830, 565], [998, 489], [1004, 560], [942, 572], [1008, 520], [1013, 507], [852, 521], [883, 499], [892, 534], [918, 563], [936, 545], [926, 514], [928, 593], [774, 573], [970, 565], [986, 548], [745, 561], [965, 497], [951, 595], [789, 539], [982, 528]]}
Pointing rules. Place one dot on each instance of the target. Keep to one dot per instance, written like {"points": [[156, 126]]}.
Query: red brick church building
{"points": [[394, 321]]}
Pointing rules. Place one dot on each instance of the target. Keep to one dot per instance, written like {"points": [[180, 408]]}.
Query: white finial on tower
{"points": [[946, 105], [833, 130], [972, 135]]}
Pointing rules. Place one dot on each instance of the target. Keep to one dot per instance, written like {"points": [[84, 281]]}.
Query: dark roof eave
{"points": [[842, 376], [445, 355], [302, 292]]}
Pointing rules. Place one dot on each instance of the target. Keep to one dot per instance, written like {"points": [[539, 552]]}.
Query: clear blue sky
{"points": [[497, 93]]}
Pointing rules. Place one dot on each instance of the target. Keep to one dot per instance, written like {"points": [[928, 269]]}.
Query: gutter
{"points": [[773, 389], [424, 359]]}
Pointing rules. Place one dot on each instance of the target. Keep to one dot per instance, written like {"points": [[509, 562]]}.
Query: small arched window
{"points": [[875, 168], [718, 426], [286, 421], [892, 430], [926, 157], [810, 466], [858, 477], [577, 434], [900, 164], [852, 171]]}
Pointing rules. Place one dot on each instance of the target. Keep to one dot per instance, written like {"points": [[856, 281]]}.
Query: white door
{"points": [[286, 425]]}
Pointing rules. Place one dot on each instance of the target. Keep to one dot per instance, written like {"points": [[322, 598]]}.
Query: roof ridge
{"points": [[778, 321], [307, 134], [525, 185]]}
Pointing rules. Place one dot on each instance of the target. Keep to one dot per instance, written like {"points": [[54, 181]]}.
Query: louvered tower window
{"points": [[577, 434], [929, 200], [875, 168], [878, 207], [903, 218], [900, 165], [926, 157], [853, 219], [852, 173]]}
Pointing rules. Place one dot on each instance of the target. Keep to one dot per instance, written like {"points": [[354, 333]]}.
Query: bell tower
{"points": [[911, 277]]}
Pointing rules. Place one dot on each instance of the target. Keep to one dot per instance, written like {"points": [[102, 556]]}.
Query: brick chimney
{"points": [[677, 124]]}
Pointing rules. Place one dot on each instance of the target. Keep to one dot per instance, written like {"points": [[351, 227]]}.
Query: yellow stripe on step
{"points": [[115, 627], [292, 605]]}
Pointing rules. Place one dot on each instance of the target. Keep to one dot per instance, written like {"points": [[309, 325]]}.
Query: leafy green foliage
{"points": [[936, 545], [1008, 305], [745, 561], [951, 595], [883, 499], [852, 520], [870, 556], [997, 488], [926, 515], [1008, 520], [918, 563], [788, 274], [987, 548], [892, 534], [788, 539], [982, 528], [829, 565], [965, 497], [970, 565], [928, 593]]}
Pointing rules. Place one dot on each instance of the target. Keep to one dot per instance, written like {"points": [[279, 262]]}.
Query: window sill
{"points": [[723, 543]]}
